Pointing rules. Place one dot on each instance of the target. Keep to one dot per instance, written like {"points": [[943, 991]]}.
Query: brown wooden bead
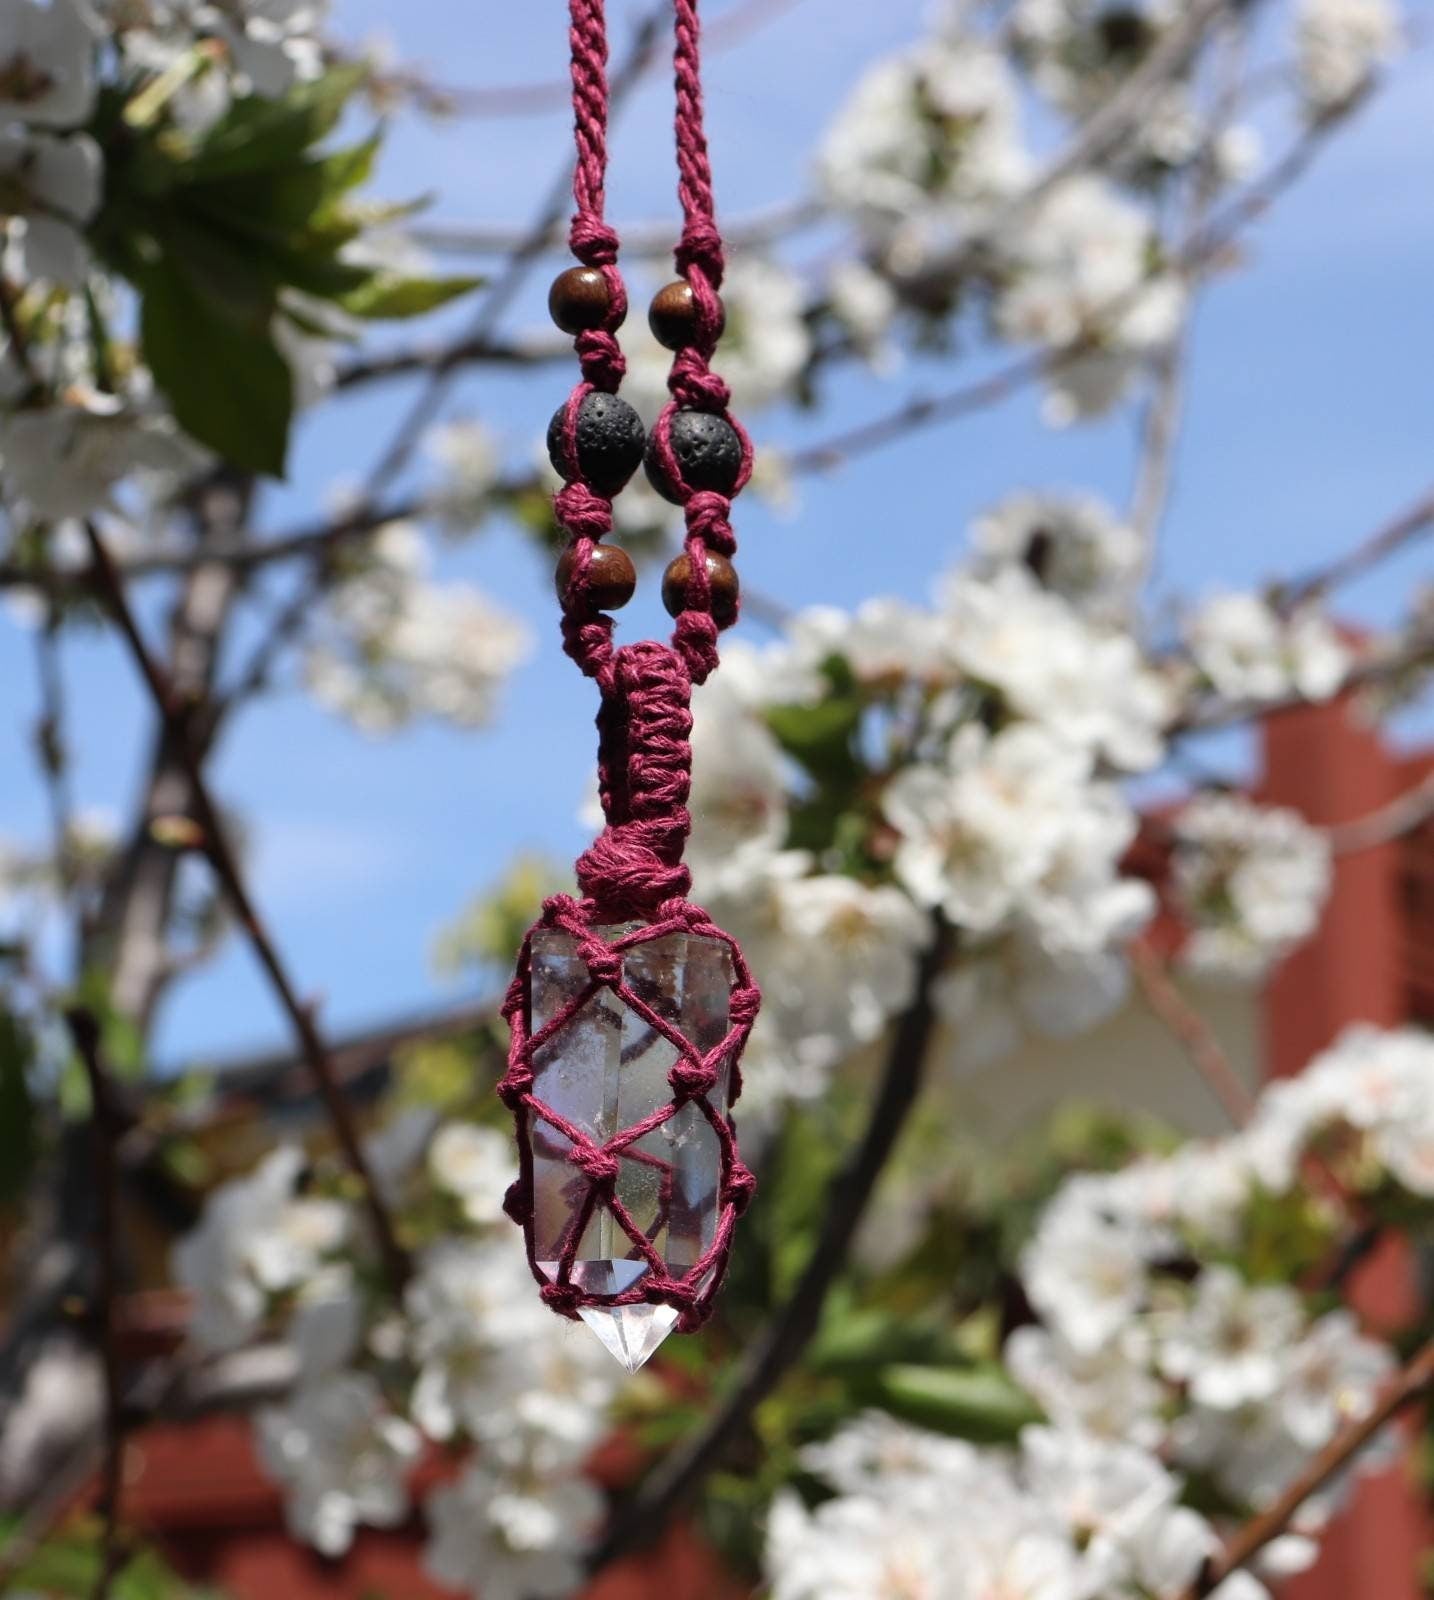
{"points": [[611, 576], [722, 587], [672, 316], [579, 299]]}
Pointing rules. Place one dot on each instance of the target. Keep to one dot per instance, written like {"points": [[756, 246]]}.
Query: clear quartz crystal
{"points": [[604, 1071]]}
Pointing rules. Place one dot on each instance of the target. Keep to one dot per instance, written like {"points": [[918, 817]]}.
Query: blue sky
{"points": [[1309, 421]]}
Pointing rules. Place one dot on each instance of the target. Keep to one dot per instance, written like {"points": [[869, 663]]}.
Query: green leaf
{"points": [[388, 294], [237, 284], [230, 389], [852, 1340], [823, 736], [18, 1132], [256, 134], [977, 1403], [279, 203]]}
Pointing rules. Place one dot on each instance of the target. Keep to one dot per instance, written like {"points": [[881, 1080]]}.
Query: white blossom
{"points": [[1250, 652], [49, 189], [865, 304], [1013, 829], [1086, 1268], [64, 460], [47, 52], [1077, 50], [495, 1364], [1077, 268], [1086, 685], [861, 945], [506, 1540], [467, 457], [925, 146], [977, 834], [399, 645], [874, 1453], [327, 1325], [1339, 44], [274, 43], [916, 1517], [475, 1165], [1232, 1344], [1377, 1083], [1073, 544], [1333, 1377], [837, 958], [1107, 1392], [257, 1238], [739, 790], [342, 1457], [1249, 880]]}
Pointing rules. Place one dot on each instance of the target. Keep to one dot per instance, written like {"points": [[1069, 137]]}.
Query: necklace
{"points": [[630, 1007]]}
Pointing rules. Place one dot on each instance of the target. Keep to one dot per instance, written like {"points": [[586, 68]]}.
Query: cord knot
{"points": [[699, 254], [741, 1186], [692, 1078], [604, 964], [592, 240], [744, 1005], [564, 1298], [584, 513], [595, 1164], [707, 514]]}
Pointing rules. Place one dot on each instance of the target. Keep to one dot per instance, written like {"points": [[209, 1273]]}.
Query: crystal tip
{"points": [[630, 1334]]}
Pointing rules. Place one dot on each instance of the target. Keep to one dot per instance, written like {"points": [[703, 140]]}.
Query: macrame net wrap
{"points": [[634, 872]]}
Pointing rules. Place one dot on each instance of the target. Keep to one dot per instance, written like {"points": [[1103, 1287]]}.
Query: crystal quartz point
{"points": [[604, 1071]]}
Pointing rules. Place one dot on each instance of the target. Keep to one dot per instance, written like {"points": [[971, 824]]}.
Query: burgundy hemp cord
{"points": [[698, 457]]}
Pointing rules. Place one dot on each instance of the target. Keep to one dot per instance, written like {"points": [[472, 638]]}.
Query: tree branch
{"points": [[1405, 814], [537, 99], [176, 721], [1200, 716], [670, 1484], [108, 1123], [1195, 1035], [754, 232], [1411, 1384], [1414, 521]]}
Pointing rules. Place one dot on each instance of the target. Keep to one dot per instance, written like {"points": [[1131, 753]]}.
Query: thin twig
{"points": [[50, 743], [108, 1122], [670, 1484], [1411, 1384], [922, 411], [1403, 815], [216, 847], [467, 351], [754, 232], [1194, 1034], [1414, 521], [1201, 715], [1164, 410], [536, 99]]}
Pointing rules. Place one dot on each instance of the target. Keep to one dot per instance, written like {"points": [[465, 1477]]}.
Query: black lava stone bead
{"points": [[708, 450], [609, 438]]}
